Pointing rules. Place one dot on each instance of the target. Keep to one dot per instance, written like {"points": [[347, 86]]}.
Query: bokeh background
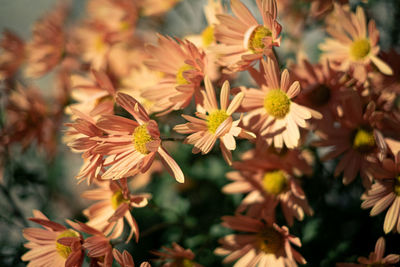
{"points": [[188, 214]]}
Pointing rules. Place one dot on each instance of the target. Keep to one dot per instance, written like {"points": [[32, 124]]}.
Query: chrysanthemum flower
{"points": [[352, 48], [12, 54], [115, 203], [268, 182], [271, 110], [356, 139], [385, 193], [242, 39], [375, 258], [47, 46], [261, 245], [176, 256], [53, 246], [131, 145], [214, 123], [183, 65]]}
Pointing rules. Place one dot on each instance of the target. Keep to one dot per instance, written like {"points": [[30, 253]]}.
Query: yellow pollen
{"points": [[141, 137], [360, 49], [64, 251], [215, 119], [256, 44], [320, 95], [363, 141], [397, 185], [270, 241], [207, 36], [184, 263], [277, 103], [179, 76], [117, 199], [275, 182]]}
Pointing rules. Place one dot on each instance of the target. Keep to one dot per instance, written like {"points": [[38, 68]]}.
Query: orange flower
{"points": [[271, 110], [115, 204], [54, 246], [214, 123], [375, 258], [130, 146], [183, 65], [352, 49], [261, 245], [176, 256], [243, 41], [12, 54]]}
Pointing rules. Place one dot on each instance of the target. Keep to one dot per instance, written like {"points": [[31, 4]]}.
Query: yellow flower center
{"points": [[141, 137], [103, 99], [363, 140], [185, 263], [117, 199], [207, 36], [256, 44], [275, 182], [270, 241], [277, 103], [64, 251], [179, 76], [320, 95], [397, 185], [215, 119], [360, 49], [99, 44]]}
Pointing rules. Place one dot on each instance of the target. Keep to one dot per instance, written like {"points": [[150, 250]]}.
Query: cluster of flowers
{"points": [[116, 79]]}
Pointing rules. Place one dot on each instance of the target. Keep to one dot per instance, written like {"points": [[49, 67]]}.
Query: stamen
{"points": [[207, 36], [180, 79], [215, 119], [360, 49], [255, 43], [117, 199], [363, 140], [64, 251], [275, 182], [141, 137], [277, 103]]}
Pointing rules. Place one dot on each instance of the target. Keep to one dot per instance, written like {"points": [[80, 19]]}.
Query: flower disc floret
{"points": [[180, 79], [277, 103], [215, 119], [275, 182], [359, 49], [207, 36], [363, 140], [141, 137], [396, 188], [270, 241], [117, 199], [256, 44], [63, 250]]}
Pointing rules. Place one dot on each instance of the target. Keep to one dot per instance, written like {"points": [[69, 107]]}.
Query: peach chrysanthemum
{"points": [[352, 48], [242, 39], [385, 193], [115, 203], [176, 256], [131, 145], [375, 258], [183, 65], [262, 244], [214, 123], [11, 54], [268, 182], [271, 110], [53, 246]]}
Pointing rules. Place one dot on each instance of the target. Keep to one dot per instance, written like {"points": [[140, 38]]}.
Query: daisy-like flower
{"points": [[352, 48], [183, 65], [131, 145], [262, 244], [47, 46], [242, 39], [11, 54], [214, 123], [356, 139], [385, 193], [53, 246], [176, 256], [115, 203], [125, 259], [268, 182], [375, 258], [271, 110]]}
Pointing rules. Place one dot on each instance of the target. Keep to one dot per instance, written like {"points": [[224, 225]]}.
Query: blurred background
{"points": [[188, 214]]}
